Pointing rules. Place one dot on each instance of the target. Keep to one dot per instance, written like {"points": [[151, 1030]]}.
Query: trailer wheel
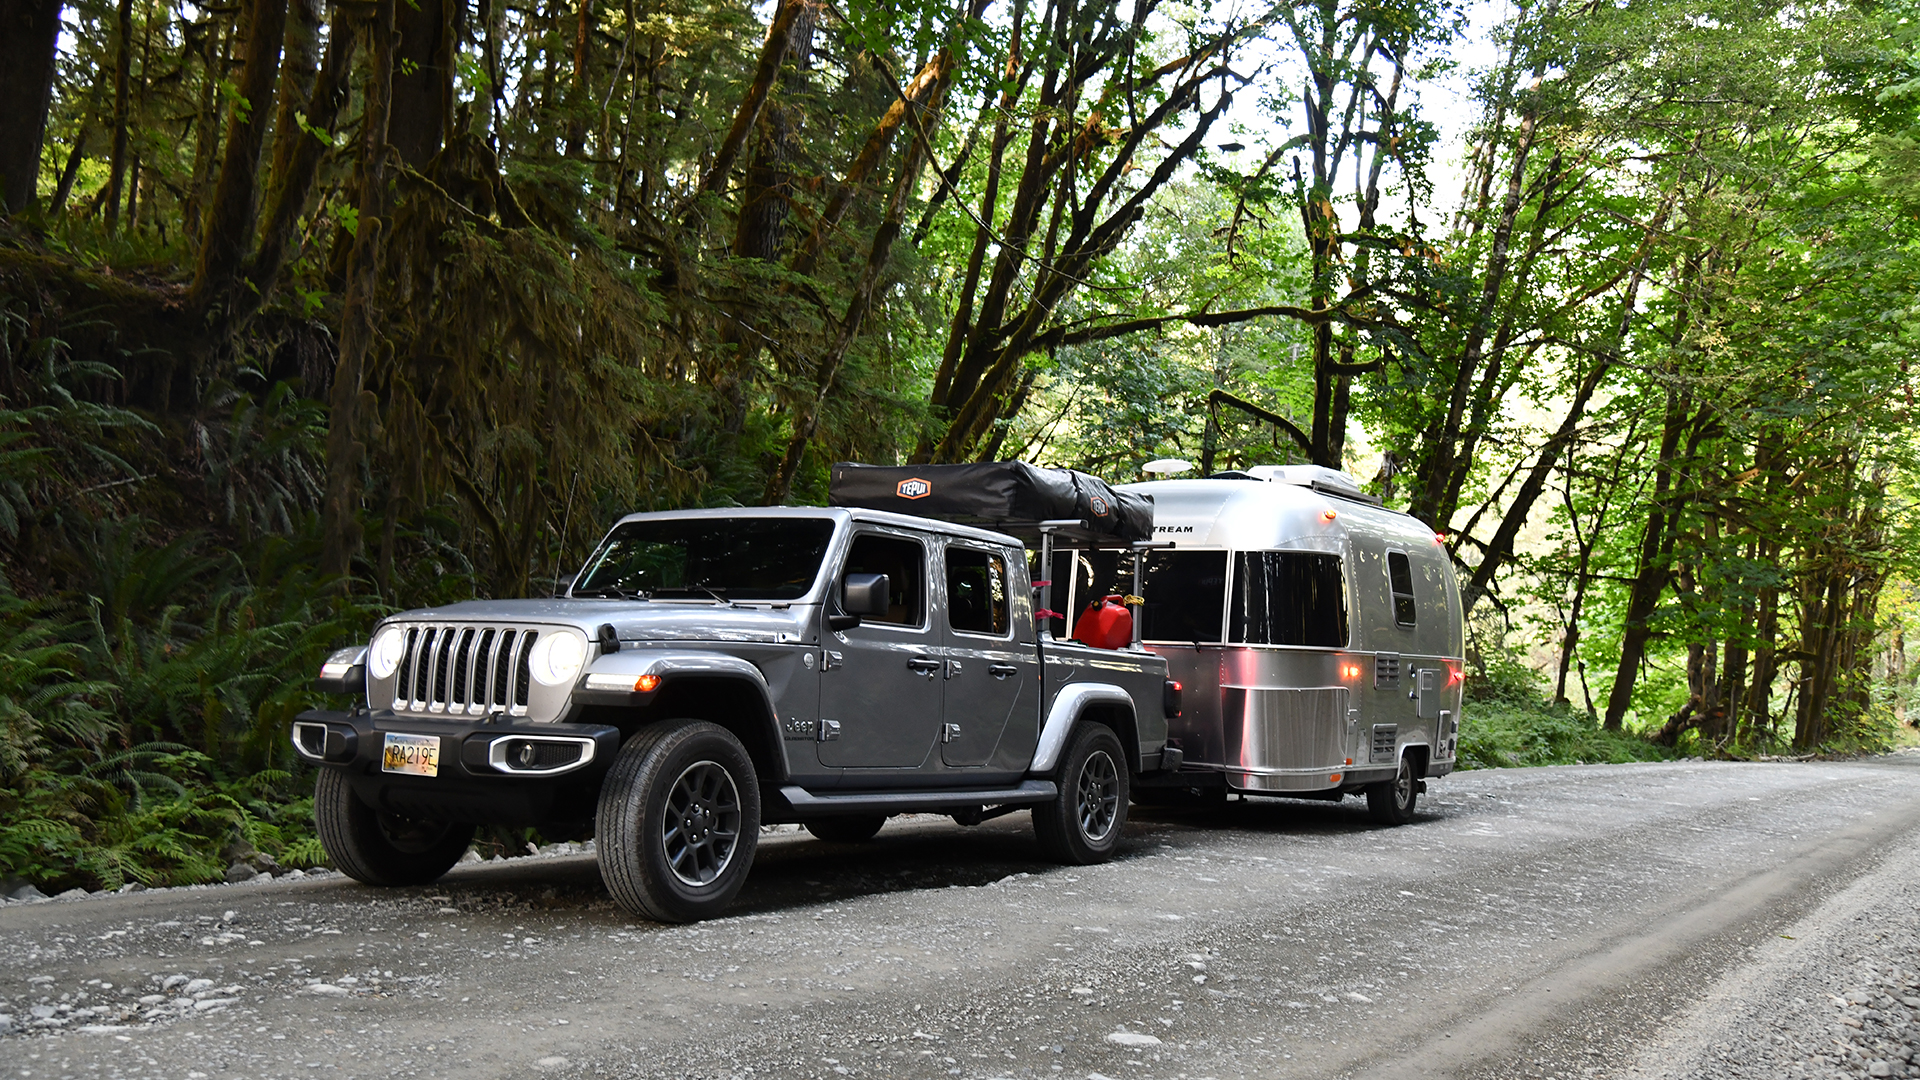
{"points": [[678, 820], [847, 830], [379, 848], [1083, 825], [1391, 802]]}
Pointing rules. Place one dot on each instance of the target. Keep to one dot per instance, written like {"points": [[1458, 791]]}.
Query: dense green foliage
{"points": [[311, 313]]}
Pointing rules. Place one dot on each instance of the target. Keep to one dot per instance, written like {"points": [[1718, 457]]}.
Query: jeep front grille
{"points": [[464, 669]]}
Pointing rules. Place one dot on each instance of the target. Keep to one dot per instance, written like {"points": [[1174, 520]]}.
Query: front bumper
{"points": [[501, 773]]}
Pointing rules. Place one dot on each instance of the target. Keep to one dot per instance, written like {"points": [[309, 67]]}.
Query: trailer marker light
{"points": [[646, 684], [1330, 515], [1439, 538], [1456, 675], [1349, 671], [1335, 778]]}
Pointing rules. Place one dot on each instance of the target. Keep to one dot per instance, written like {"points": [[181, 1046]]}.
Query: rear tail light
{"points": [[1170, 698]]}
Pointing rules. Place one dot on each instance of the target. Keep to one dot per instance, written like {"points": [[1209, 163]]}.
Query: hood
{"points": [[638, 621]]}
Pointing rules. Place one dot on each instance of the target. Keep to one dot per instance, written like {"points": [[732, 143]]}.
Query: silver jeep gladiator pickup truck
{"points": [[710, 671]]}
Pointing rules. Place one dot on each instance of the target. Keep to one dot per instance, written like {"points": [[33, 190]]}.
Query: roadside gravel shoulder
{"points": [[1835, 995]]}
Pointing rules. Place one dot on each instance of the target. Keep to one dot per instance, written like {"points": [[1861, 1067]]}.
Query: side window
{"points": [[976, 592], [1400, 578], [1288, 598], [905, 564], [1186, 595]]}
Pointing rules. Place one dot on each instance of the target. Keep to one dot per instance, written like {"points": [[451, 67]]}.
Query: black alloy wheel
{"points": [[1391, 802], [678, 821], [1083, 825], [378, 847]]}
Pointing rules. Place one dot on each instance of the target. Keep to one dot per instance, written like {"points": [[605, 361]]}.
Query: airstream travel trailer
{"points": [[1318, 637]]}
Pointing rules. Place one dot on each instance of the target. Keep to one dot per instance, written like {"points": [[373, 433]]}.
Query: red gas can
{"points": [[1105, 625]]}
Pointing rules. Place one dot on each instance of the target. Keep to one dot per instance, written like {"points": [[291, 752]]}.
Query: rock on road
{"points": [[1660, 920]]}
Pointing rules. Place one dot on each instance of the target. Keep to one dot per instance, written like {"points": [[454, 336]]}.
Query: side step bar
{"points": [[807, 804]]}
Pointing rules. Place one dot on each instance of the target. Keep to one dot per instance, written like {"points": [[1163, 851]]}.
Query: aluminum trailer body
{"points": [[1318, 638]]}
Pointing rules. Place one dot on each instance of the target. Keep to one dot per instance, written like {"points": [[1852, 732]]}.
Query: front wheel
{"points": [[1391, 802], [1083, 825], [381, 848], [678, 819]]}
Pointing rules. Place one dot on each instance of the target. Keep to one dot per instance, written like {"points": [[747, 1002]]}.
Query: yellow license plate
{"points": [[416, 754]]}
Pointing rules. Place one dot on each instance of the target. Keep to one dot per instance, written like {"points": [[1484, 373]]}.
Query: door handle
{"points": [[923, 665], [1001, 671]]}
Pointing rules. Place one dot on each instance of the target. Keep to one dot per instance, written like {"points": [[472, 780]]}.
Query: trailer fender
{"points": [[1073, 700], [1422, 756]]}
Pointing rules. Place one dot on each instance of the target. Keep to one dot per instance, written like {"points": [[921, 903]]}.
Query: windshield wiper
{"points": [[613, 592], [700, 585]]}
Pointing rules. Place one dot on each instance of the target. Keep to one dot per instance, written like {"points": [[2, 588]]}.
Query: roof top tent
{"points": [[1055, 507], [1318, 636]]}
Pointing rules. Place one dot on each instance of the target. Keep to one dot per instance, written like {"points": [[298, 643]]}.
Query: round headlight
{"points": [[557, 657], [384, 657]]}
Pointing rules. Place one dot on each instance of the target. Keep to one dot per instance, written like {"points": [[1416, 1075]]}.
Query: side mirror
{"points": [[860, 594]]}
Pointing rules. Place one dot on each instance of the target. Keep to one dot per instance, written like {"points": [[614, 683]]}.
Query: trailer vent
{"points": [[1386, 670], [1385, 737]]}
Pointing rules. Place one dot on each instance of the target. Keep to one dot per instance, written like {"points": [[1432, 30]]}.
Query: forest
{"points": [[318, 311]]}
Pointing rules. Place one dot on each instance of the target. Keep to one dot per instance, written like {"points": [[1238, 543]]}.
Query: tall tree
{"points": [[28, 30], [230, 218]]}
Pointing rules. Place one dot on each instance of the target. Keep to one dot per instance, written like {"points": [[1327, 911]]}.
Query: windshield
{"points": [[708, 558]]}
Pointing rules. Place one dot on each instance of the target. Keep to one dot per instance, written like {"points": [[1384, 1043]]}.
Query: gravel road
{"points": [[1665, 920]]}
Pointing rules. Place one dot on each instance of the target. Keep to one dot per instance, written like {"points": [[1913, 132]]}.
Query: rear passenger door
{"points": [[988, 674]]}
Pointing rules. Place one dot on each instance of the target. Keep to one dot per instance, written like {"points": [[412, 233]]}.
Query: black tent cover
{"points": [[1003, 494]]}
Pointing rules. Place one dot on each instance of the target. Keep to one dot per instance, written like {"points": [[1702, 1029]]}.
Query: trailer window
{"points": [[1400, 578], [976, 592], [1288, 598], [1186, 596]]}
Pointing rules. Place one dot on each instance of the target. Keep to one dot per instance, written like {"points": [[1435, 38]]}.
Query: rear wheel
{"points": [[847, 830], [1391, 802], [678, 820], [1083, 825], [381, 848]]}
